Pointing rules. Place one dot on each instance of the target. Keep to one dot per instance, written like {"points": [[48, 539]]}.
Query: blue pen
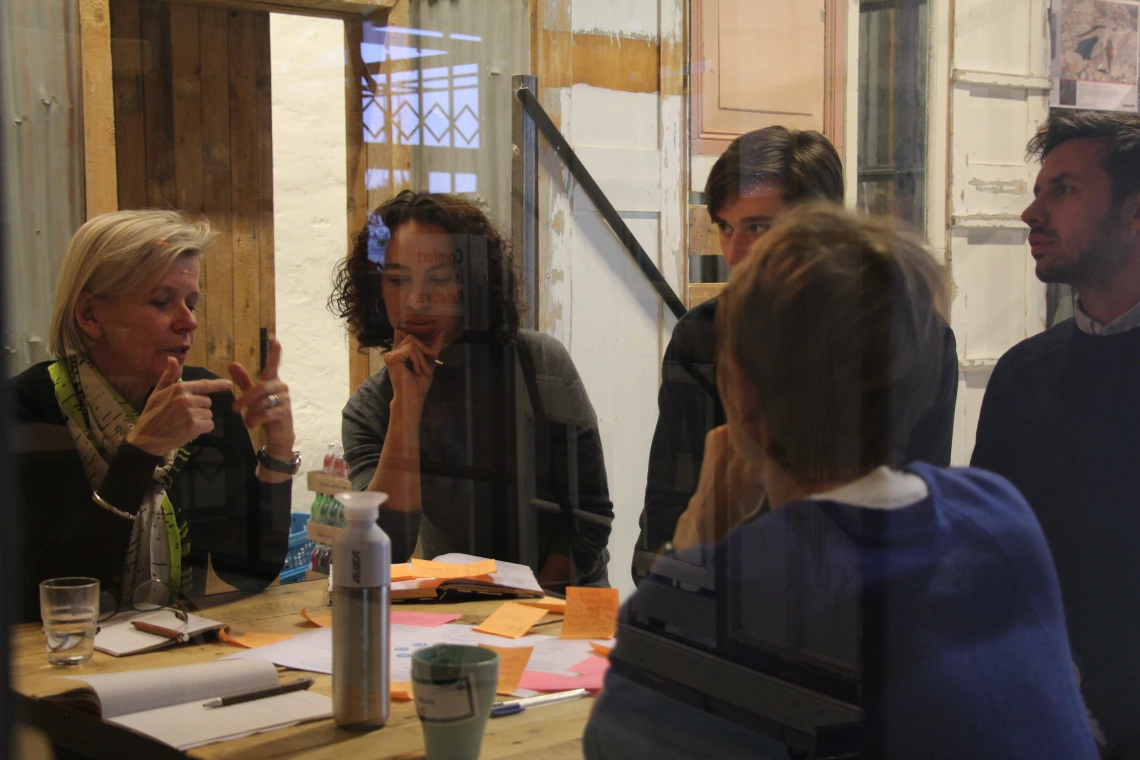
{"points": [[503, 709]]}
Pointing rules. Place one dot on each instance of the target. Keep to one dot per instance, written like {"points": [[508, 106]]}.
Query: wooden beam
{"points": [[356, 170], [615, 63], [213, 40], [703, 236], [699, 292], [158, 109], [346, 9], [130, 128], [101, 181]]}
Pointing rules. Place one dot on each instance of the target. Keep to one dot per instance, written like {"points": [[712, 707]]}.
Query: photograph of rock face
{"points": [[1099, 41]]}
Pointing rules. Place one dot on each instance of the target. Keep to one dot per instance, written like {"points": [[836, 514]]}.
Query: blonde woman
{"points": [[134, 468]]}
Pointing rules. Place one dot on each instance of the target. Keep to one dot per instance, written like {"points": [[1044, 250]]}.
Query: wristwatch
{"points": [[292, 467]]}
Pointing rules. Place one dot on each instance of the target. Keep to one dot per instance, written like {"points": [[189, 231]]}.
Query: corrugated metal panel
{"points": [[43, 144]]}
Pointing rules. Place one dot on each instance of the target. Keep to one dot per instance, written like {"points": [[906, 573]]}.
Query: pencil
{"points": [[249, 696]]}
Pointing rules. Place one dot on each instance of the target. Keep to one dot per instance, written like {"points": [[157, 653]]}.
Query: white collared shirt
{"points": [[882, 488], [1129, 320]]}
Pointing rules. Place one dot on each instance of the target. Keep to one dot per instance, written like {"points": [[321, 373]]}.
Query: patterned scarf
{"points": [[99, 419]]}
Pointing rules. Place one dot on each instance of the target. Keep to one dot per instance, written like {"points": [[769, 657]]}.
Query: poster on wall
{"points": [[1096, 54]]}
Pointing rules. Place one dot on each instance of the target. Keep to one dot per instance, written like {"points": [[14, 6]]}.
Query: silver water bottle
{"points": [[362, 563]]}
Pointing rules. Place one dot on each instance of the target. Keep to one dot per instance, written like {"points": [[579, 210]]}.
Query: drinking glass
{"points": [[69, 608]]}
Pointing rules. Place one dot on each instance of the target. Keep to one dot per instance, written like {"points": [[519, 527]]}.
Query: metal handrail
{"points": [[582, 175]]}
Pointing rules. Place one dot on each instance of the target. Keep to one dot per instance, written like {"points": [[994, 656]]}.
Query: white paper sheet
{"points": [[312, 651], [124, 693], [191, 725]]}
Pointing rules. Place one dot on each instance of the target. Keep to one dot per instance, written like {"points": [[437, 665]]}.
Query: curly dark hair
{"points": [[488, 270]]}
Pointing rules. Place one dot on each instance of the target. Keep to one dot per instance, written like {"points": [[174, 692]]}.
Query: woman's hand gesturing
{"points": [[175, 413], [266, 403]]}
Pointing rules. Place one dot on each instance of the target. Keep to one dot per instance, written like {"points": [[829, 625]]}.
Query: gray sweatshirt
{"points": [[466, 469]]}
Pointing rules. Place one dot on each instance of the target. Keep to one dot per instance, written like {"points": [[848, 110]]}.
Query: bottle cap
{"points": [[361, 505]]}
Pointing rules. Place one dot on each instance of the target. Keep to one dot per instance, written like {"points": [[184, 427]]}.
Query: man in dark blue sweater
{"points": [[931, 589], [1061, 414], [757, 179]]}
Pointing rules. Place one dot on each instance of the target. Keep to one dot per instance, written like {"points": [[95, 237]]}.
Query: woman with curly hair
{"points": [[430, 281]]}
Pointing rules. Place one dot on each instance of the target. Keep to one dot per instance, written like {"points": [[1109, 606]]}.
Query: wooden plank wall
{"points": [[194, 132]]}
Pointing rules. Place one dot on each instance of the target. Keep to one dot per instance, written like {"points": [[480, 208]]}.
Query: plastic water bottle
{"points": [[326, 503], [360, 631], [315, 510]]}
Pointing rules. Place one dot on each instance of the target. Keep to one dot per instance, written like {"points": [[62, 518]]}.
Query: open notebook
{"points": [[509, 579], [166, 703], [118, 637]]}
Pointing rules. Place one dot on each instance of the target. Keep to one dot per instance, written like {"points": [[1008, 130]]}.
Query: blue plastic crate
{"points": [[300, 550]]}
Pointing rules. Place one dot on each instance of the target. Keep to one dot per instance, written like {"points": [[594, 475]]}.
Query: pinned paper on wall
{"points": [[252, 640], [512, 663], [548, 603], [402, 572], [591, 613], [511, 620], [324, 621], [422, 568], [400, 691]]}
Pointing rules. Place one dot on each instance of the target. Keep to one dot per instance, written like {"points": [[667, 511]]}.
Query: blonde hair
{"points": [[117, 253], [835, 321]]}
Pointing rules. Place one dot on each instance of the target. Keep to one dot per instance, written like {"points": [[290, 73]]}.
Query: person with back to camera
{"points": [[939, 580], [135, 469], [753, 183], [430, 280]]}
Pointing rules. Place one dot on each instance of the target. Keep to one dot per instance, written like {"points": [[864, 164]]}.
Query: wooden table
{"points": [[550, 733]]}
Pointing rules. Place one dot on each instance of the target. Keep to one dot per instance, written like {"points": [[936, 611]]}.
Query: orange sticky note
{"points": [[422, 568], [591, 613], [512, 663], [601, 649], [324, 621], [402, 572], [549, 603], [252, 640], [512, 620], [400, 691]]}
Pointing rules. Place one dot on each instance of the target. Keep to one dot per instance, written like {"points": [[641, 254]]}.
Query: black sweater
{"points": [[689, 407], [240, 523], [1061, 420]]}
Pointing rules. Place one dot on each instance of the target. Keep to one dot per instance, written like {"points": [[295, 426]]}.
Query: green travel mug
{"points": [[454, 688]]}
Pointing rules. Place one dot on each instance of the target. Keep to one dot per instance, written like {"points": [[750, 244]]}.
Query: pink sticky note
{"points": [[539, 681], [423, 619], [591, 665]]}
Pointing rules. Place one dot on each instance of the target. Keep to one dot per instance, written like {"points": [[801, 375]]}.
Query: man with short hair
{"points": [[757, 179], [1061, 413]]}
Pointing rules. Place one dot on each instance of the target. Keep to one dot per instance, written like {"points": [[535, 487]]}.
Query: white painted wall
{"points": [[310, 226], [597, 302]]}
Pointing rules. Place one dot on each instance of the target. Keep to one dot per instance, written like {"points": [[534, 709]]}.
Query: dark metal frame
{"points": [[533, 115]]}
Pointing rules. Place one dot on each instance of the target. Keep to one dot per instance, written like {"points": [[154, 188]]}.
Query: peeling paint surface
{"points": [[310, 226], [44, 173], [999, 187]]}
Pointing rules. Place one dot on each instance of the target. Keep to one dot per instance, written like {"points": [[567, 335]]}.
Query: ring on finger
{"points": [[273, 400]]}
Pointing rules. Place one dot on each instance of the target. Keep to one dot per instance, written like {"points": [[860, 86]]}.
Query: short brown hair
{"points": [[834, 319], [1118, 132], [804, 162]]}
